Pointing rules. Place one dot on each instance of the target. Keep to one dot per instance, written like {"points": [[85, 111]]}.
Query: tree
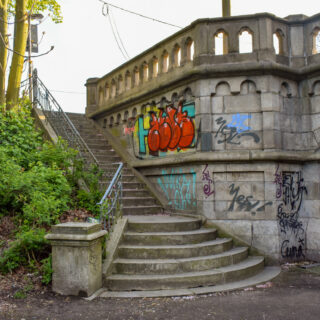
{"points": [[20, 9]]}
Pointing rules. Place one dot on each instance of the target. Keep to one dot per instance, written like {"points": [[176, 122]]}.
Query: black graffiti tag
{"points": [[245, 203], [231, 133], [292, 189]]}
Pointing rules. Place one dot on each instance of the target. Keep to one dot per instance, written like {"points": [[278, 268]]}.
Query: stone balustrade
{"points": [[207, 46]]}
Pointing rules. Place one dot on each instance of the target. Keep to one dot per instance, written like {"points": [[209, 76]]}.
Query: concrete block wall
{"points": [[272, 207], [251, 165]]}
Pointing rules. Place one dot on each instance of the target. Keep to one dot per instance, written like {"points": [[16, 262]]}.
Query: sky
{"points": [[84, 46]]}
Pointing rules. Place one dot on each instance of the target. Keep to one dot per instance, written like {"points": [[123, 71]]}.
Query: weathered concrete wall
{"points": [[232, 137]]}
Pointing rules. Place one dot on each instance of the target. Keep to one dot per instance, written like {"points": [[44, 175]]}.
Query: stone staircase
{"points": [[160, 253], [166, 252], [136, 199]]}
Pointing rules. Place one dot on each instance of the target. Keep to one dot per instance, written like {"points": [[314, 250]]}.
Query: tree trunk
{"points": [[3, 49], [19, 48]]}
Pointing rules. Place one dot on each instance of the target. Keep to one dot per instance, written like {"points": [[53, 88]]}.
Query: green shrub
{"points": [[38, 182]]}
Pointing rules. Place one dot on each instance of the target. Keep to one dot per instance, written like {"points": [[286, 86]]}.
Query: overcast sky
{"points": [[85, 47]]}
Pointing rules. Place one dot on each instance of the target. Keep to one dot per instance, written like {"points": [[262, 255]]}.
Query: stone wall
{"points": [[232, 137]]}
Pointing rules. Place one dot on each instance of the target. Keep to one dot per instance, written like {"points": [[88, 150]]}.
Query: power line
{"points": [[141, 15], [106, 13], [114, 22]]}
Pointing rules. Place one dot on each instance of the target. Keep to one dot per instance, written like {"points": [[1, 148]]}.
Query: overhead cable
{"points": [[141, 15], [106, 13]]}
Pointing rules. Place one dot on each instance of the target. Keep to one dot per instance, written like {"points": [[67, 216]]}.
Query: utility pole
{"points": [[226, 12], [226, 8]]}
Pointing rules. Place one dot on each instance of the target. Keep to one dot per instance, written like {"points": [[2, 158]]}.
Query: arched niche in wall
{"points": [[118, 118], [248, 87], [113, 88], [128, 80], [316, 40], [285, 90], [177, 55], [105, 121], [165, 61], [221, 46], [316, 88], [134, 112], [126, 115], [145, 72], [136, 76], [120, 84], [155, 67], [189, 49], [245, 40], [111, 121], [223, 89], [101, 95], [278, 42], [107, 91], [187, 95]]}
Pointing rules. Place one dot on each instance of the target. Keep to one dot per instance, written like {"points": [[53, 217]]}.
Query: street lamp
{"points": [[32, 34]]}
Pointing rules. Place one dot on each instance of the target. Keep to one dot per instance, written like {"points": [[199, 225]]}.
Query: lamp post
{"points": [[39, 17]]}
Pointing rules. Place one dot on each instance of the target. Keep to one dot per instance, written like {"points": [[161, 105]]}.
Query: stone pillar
{"points": [[92, 95], [76, 258]]}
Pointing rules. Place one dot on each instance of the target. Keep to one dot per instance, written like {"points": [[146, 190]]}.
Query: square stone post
{"points": [[76, 258]]}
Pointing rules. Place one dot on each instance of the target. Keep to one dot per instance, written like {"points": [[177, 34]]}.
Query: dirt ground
{"points": [[293, 295]]}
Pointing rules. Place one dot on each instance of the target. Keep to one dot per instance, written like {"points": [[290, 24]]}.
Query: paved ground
{"points": [[293, 295]]}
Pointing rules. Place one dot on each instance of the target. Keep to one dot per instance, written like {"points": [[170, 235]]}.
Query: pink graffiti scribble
{"points": [[207, 187], [128, 130]]}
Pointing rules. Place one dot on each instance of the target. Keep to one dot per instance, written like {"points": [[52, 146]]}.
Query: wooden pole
{"points": [[226, 8]]}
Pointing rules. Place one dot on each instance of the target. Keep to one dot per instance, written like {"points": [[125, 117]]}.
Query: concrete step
{"points": [[112, 157], [175, 251], [169, 238], [133, 185], [142, 210], [235, 272], [135, 193], [136, 201], [162, 224], [170, 266]]}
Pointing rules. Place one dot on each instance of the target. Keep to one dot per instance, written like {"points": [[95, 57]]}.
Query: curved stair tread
{"points": [[243, 265], [182, 260], [267, 274], [159, 219], [175, 233], [178, 246]]}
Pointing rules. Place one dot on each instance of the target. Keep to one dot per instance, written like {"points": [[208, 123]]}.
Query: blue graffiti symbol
{"points": [[142, 134], [238, 122], [178, 188]]}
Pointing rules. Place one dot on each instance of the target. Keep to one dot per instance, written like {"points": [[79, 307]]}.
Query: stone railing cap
{"points": [[76, 228]]}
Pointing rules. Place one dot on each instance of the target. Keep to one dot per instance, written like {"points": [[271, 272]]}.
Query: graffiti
{"points": [[238, 122], [235, 130], [179, 188], [278, 182], [209, 182], [166, 130], [292, 231], [245, 203], [128, 130]]}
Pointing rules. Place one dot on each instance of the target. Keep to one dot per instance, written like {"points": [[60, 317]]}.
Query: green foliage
{"points": [[41, 6], [27, 250], [38, 182], [46, 270]]}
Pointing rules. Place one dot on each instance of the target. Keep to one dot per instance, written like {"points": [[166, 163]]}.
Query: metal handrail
{"points": [[110, 205], [60, 122], [111, 202]]}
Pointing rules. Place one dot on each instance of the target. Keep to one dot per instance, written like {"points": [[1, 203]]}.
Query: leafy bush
{"points": [[38, 182]]}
